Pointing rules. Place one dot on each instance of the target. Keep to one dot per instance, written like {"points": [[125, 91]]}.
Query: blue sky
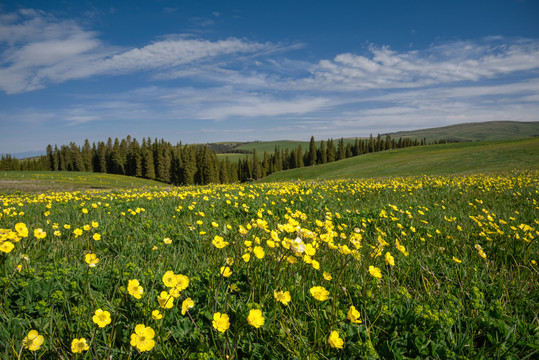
{"points": [[208, 71]]}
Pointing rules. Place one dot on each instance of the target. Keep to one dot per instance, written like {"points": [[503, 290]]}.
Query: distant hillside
{"points": [[426, 160], [483, 131], [41, 181]]}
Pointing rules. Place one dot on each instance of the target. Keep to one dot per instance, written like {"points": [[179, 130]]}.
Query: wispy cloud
{"points": [[441, 64], [63, 50]]}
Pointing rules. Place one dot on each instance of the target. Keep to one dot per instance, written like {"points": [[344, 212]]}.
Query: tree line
{"points": [[194, 164]]}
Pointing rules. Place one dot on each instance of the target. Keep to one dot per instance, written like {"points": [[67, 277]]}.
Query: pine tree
{"points": [[323, 153], [77, 161], [102, 157], [266, 167], [255, 165], [50, 157], [299, 157], [341, 154], [332, 152], [189, 165], [312, 152], [147, 164], [87, 156]]}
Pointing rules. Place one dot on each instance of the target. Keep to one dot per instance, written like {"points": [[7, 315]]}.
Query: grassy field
{"points": [[426, 160], [269, 146], [397, 268], [234, 158], [40, 181], [485, 131]]}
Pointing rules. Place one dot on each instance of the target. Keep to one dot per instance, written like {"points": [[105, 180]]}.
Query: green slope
{"points": [[427, 160], [40, 181], [484, 131]]}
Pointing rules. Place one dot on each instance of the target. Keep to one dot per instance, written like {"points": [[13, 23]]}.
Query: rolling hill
{"points": [[440, 159], [483, 131]]}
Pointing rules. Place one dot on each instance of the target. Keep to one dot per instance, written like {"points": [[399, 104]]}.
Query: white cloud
{"points": [[256, 106], [42, 49], [448, 63]]}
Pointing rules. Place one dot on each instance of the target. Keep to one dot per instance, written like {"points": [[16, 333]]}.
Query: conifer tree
{"points": [[299, 157], [86, 154], [341, 154], [323, 158], [332, 152], [312, 152], [147, 164]]}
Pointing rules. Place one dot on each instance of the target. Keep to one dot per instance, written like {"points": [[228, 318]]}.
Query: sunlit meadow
{"points": [[439, 267]]}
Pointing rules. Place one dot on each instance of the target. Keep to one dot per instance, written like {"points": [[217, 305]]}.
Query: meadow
{"points": [[392, 268], [442, 159]]}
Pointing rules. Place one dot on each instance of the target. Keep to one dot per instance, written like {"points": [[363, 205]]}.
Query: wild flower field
{"points": [[396, 268]]}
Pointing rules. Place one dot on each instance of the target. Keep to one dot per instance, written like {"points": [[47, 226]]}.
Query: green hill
{"points": [[484, 131], [40, 181], [426, 160]]}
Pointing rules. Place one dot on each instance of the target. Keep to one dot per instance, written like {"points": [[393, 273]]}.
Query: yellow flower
{"points": [[101, 318], [255, 318], [79, 345], [96, 237], [142, 338], [335, 341], [319, 293], [33, 340], [401, 248], [457, 260], [374, 271], [95, 224], [91, 259], [6, 247], [77, 232], [219, 242], [246, 257], [167, 241], [225, 271], [156, 315], [259, 252], [187, 304], [389, 259], [170, 279], [353, 315], [86, 227], [21, 229], [283, 297], [134, 288], [39, 233], [220, 322], [182, 282], [166, 301], [327, 276]]}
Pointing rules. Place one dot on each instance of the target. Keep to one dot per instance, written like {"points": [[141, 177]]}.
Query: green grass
{"points": [[436, 267], [39, 181], [426, 160], [269, 146], [490, 130], [234, 158]]}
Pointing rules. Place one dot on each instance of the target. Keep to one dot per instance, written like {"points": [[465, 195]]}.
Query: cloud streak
{"points": [[64, 51], [448, 63]]}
